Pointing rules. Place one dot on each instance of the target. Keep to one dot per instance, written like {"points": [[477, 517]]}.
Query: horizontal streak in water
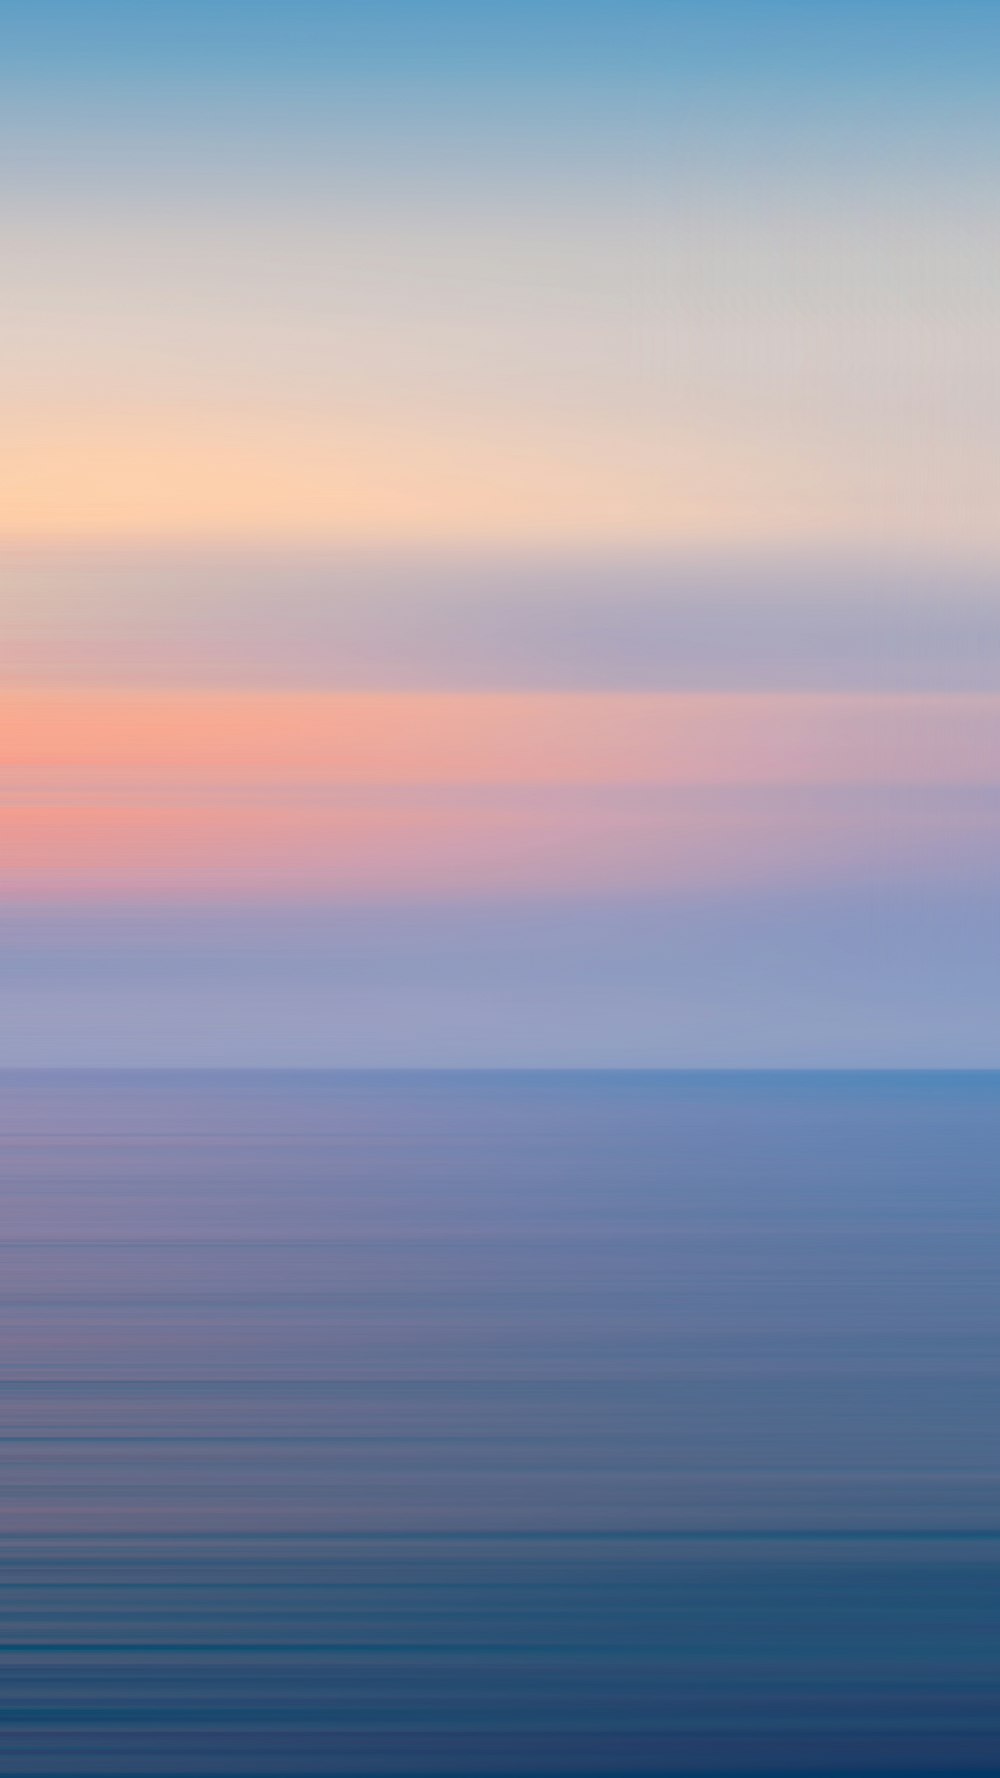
{"points": [[499, 1424]]}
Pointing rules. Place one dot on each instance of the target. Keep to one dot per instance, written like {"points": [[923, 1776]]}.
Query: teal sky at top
{"points": [[814, 43], [827, 75], [744, 251]]}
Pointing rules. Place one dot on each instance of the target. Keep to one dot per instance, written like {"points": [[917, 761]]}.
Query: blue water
{"points": [[577, 1424]]}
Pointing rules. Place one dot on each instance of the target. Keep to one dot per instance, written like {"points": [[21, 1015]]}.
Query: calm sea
{"points": [[501, 1424]]}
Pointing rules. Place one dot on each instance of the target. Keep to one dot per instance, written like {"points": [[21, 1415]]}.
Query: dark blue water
{"points": [[503, 1424]]}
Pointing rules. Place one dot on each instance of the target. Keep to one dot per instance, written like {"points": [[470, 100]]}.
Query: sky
{"points": [[499, 549]]}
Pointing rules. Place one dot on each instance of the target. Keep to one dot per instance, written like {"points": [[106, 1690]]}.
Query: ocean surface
{"points": [[502, 1424]]}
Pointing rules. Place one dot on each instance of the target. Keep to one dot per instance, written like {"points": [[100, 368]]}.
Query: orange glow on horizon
{"points": [[408, 849], [249, 795], [55, 737]]}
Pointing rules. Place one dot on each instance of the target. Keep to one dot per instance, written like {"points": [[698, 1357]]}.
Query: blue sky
{"points": [[429, 345]]}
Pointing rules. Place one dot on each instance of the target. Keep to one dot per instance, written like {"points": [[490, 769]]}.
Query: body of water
{"points": [[506, 1424]]}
